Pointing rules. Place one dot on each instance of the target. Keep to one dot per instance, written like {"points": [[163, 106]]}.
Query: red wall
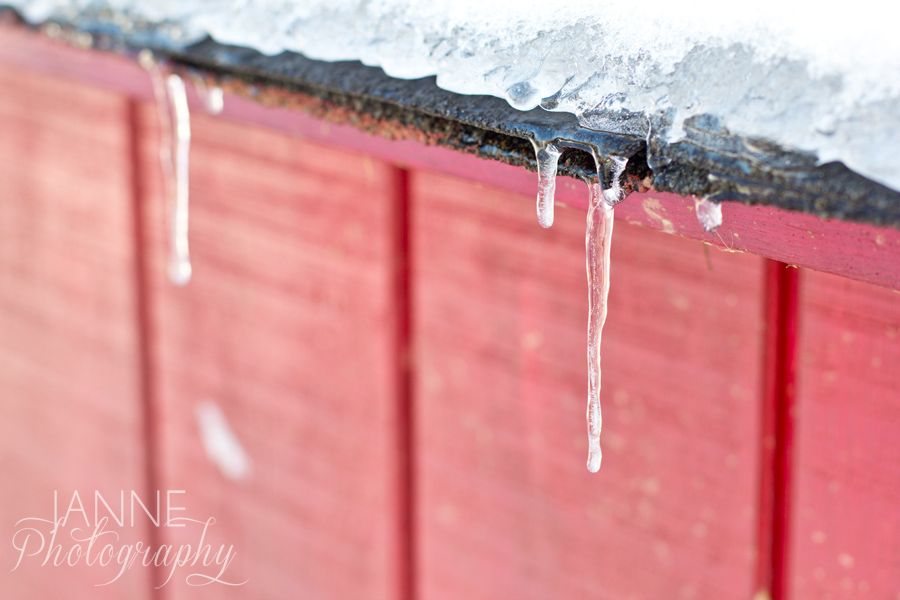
{"points": [[401, 354]]}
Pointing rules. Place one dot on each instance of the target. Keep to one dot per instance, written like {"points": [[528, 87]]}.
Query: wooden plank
{"points": [[846, 526], [289, 329], [506, 507], [854, 250], [70, 403], [779, 391]]}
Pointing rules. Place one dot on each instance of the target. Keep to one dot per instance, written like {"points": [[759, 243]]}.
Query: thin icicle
{"points": [[597, 242], [709, 214], [174, 154], [547, 155], [180, 258]]}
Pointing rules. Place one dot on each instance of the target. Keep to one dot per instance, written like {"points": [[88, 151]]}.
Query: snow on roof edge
{"points": [[810, 76]]}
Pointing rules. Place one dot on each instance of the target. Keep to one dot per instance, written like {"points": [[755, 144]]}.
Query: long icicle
{"points": [[597, 242], [174, 158], [180, 259], [547, 156]]}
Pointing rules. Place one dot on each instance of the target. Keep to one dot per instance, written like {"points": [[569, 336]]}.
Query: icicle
{"points": [[212, 96], [175, 146], [709, 214], [180, 258], [614, 193], [547, 155], [597, 242]]}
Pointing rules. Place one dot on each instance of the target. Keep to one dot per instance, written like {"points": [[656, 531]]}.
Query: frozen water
{"points": [[709, 213], [614, 193], [819, 76], [547, 156], [174, 155], [211, 96], [180, 258], [597, 243]]}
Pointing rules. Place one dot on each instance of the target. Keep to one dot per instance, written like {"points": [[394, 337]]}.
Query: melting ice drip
{"points": [[174, 155], [597, 242], [597, 245], [211, 96], [180, 258], [547, 155]]}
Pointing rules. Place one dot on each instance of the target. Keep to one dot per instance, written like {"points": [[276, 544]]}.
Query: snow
{"points": [[822, 77]]}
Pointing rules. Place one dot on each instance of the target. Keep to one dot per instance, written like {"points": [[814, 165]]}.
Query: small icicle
{"points": [[212, 96], [547, 155], [175, 147], [614, 193], [709, 214]]}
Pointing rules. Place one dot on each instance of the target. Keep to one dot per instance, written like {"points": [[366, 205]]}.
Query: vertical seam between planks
{"points": [[405, 434], [146, 372], [781, 304]]}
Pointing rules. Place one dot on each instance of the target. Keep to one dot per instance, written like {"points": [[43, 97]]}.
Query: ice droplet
{"points": [[709, 214], [547, 156], [614, 193], [597, 242], [174, 154], [211, 96]]}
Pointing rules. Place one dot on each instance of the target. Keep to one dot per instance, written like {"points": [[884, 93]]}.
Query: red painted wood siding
{"points": [[401, 355], [506, 507], [290, 328], [71, 415], [845, 535]]}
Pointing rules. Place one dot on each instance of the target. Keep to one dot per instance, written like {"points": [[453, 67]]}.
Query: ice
{"points": [[547, 156], [597, 243], [709, 213], [614, 193], [174, 155], [211, 96], [817, 76], [180, 258]]}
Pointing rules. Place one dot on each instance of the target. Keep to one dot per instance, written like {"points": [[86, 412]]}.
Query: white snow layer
{"points": [[823, 77]]}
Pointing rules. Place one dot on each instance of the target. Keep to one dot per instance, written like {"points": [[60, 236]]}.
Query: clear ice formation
{"points": [[547, 155], [709, 214], [180, 258], [810, 75], [174, 154], [597, 245]]}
